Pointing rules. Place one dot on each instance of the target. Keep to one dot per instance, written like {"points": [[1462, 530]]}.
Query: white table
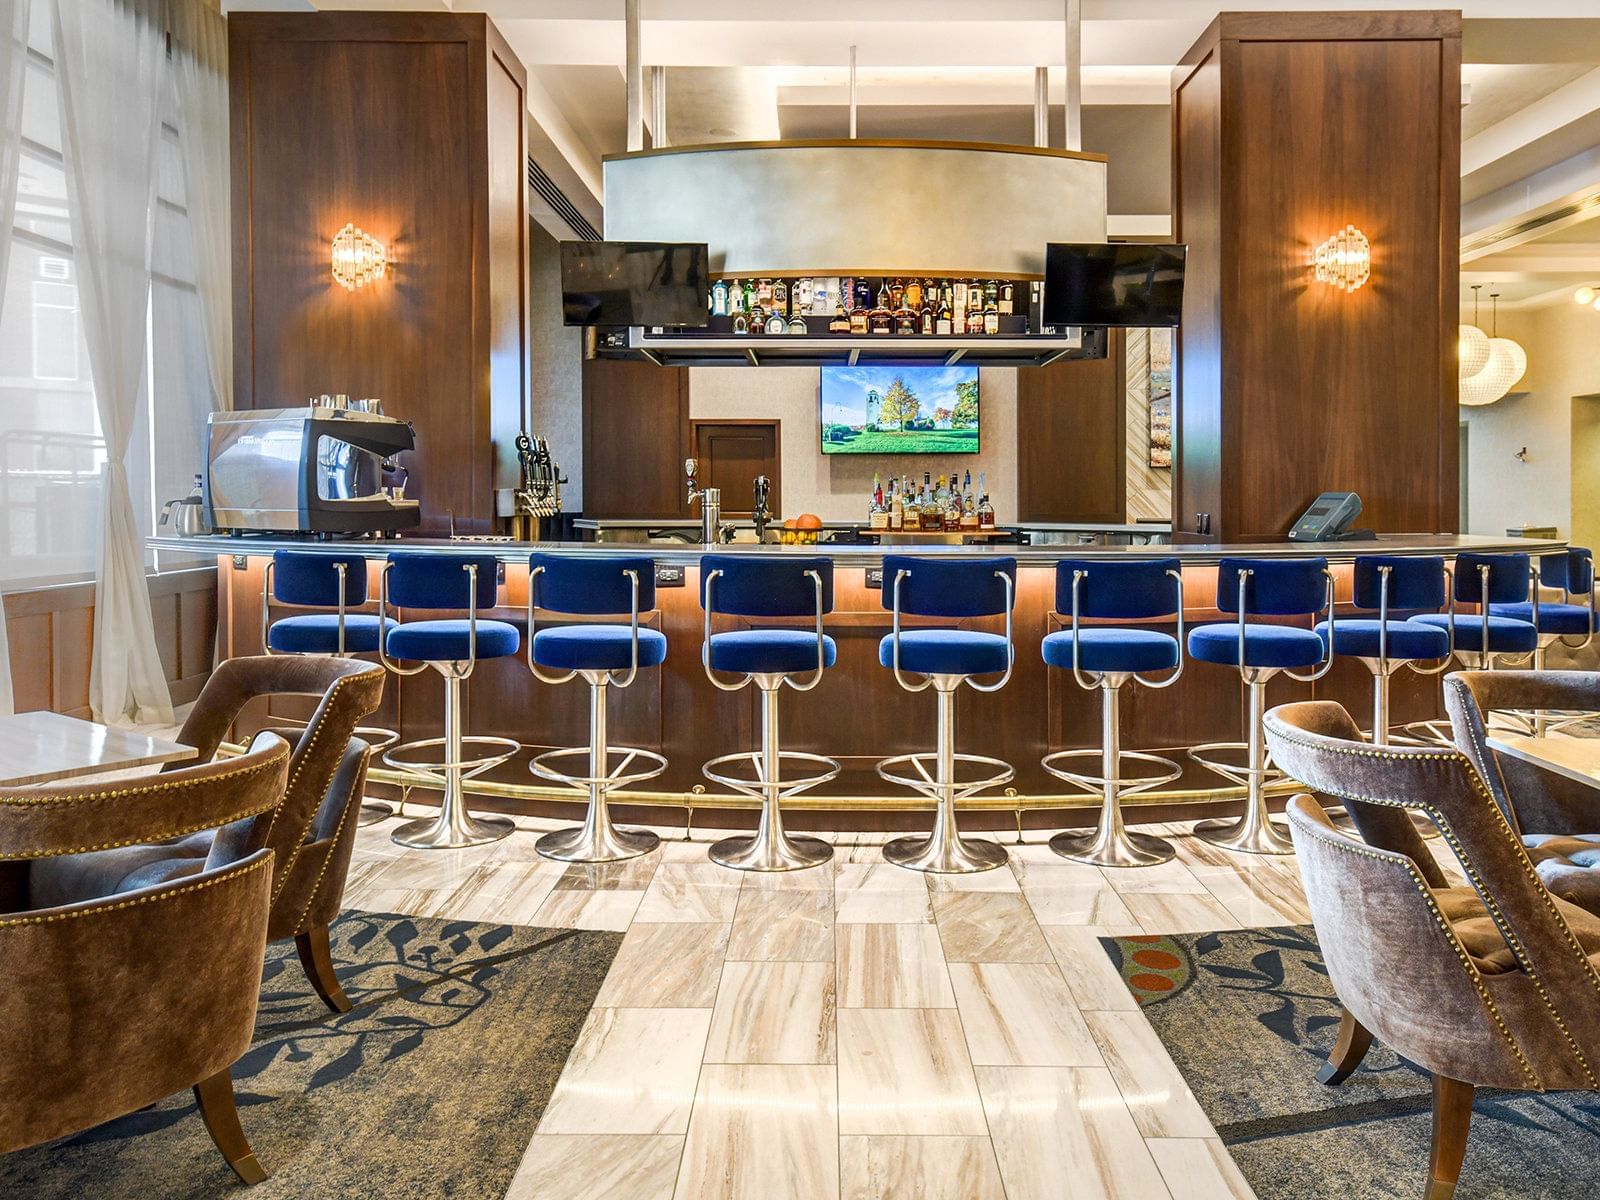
{"points": [[1575, 758], [38, 747]]}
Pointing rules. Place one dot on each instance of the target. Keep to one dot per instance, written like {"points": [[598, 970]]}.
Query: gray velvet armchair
{"points": [[1489, 985]]}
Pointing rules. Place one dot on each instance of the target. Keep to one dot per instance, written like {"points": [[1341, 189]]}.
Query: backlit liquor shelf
{"points": [[712, 348]]}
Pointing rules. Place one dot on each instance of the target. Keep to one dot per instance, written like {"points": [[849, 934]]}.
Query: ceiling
{"points": [[957, 69]]}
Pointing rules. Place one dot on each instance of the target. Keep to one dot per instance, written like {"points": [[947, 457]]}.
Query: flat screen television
{"points": [[1124, 284], [899, 410], [634, 283]]}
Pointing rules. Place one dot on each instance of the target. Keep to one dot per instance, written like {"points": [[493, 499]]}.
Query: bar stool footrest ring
{"points": [[653, 763], [500, 750], [925, 782], [1209, 755], [1126, 786], [756, 786]]}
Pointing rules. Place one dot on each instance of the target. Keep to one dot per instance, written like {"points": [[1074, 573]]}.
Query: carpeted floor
{"points": [[1248, 1017], [430, 1086]]}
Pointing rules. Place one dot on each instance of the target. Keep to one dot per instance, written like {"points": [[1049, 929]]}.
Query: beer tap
{"points": [[763, 511], [712, 529]]}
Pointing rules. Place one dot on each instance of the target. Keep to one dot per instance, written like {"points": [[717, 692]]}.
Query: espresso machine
{"points": [[328, 468]]}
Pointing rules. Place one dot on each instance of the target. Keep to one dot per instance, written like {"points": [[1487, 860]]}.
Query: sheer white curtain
{"points": [[200, 73], [110, 56], [14, 31]]}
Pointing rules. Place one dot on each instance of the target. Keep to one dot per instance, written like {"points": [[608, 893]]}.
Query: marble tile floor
{"points": [[857, 1031]]}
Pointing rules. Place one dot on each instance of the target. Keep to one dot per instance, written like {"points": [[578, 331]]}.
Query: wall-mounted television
{"points": [[899, 410], [635, 283], [1103, 283]]}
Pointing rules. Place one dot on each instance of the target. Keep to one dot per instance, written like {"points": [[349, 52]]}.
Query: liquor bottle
{"points": [[905, 322], [780, 296], [991, 319], [991, 293], [897, 295], [985, 509], [863, 295], [969, 510], [764, 293], [797, 317], [1008, 302], [966, 488], [897, 508], [839, 322], [952, 512], [941, 323], [958, 300], [859, 323], [758, 319], [975, 310], [719, 298], [736, 296], [776, 323], [741, 324], [847, 294], [877, 510], [925, 318], [913, 294], [880, 319], [885, 301], [804, 292]]}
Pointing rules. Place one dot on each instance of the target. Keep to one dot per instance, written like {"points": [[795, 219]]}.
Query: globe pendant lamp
{"points": [[1472, 350], [1505, 364]]}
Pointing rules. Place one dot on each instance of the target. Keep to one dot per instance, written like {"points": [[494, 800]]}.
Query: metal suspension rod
{"points": [[852, 92], [1041, 106], [633, 74], [1074, 74], [658, 107]]}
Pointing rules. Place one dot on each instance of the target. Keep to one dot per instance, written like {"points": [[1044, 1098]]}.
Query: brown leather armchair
{"points": [[312, 831], [113, 1002], [1493, 985], [1557, 818]]}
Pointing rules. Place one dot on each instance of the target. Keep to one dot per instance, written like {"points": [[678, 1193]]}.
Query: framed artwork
{"points": [[1160, 396]]}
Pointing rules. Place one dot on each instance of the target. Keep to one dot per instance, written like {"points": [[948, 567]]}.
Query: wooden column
{"points": [[414, 127], [1286, 128]]}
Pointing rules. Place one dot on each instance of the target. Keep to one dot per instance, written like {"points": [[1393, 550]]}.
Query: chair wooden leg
{"points": [[317, 960], [217, 1109], [1348, 1051], [1452, 1119]]}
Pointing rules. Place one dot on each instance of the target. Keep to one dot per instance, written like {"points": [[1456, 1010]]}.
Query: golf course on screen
{"points": [[899, 410]]}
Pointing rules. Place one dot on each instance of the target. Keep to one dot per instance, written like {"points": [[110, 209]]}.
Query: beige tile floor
{"points": [[857, 1031]]}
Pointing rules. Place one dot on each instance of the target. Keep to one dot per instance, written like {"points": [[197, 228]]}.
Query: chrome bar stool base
{"points": [[770, 848], [1110, 844], [1255, 832], [944, 851], [597, 840], [454, 828]]}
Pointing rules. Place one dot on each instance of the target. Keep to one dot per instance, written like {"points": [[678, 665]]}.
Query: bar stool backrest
{"points": [[1508, 578], [949, 587], [441, 581], [308, 580], [766, 587], [589, 586], [1278, 587], [1571, 570], [1119, 590], [1415, 584]]}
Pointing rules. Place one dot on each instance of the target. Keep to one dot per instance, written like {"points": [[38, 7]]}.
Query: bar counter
{"points": [[857, 714]]}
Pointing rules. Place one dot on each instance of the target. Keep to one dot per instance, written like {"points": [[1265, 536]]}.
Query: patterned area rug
{"points": [[430, 1086], [1249, 1017]]}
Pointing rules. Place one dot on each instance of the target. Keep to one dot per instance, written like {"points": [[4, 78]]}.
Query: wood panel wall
{"points": [[1287, 127], [413, 126], [51, 636], [636, 434], [1072, 439]]}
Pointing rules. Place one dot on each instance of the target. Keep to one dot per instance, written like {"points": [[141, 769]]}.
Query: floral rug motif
{"points": [[431, 1085], [1249, 1017]]}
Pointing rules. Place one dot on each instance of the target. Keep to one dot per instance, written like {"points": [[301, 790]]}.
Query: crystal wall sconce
{"points": [[1344, 260], [358, 257]]}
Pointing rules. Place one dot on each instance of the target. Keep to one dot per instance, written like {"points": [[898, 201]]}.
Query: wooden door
{"points": [[732, 454], [635, 438]]}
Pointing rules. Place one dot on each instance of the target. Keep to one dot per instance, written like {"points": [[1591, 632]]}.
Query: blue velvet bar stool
{"points": [[417, 579], [1573, 625], [1482, 639], [1278, 587], [1106, 659], [949, 589], [764, 587], [336, 582], [604, 656], [1392, 584]]}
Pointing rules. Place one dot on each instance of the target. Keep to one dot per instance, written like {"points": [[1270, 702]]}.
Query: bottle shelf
{"points": [[698, 349]]}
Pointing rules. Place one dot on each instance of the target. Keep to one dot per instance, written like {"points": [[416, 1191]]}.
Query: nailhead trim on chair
{"points": [[1472, 972], [94, 910], [333, 844], [47, 799], [311, 815], [1513, 942]]}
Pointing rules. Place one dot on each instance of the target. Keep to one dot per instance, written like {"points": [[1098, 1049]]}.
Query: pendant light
{"points": [[1505, 364]]}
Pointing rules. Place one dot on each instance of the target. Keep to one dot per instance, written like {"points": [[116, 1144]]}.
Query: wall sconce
{"points": [[1344, 260], [1588, 295], [358, 257]]}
